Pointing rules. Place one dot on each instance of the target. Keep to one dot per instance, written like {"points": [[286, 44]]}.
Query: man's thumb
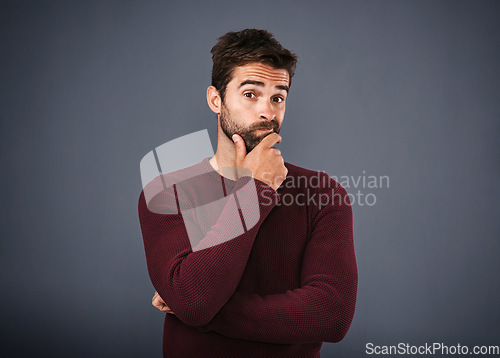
{"points": [[241, 151]]}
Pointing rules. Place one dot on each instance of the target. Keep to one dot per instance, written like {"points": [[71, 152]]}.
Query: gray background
{"points": [[407, 89]]}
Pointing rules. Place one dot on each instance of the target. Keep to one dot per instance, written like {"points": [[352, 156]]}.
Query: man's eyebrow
{"points": [[258, 83]]}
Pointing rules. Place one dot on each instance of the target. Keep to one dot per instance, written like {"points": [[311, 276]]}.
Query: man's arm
{"points": [[197, 284], [322, 309]]}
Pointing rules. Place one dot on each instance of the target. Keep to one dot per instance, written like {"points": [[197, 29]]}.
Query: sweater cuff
{"points": [[266, 192]]}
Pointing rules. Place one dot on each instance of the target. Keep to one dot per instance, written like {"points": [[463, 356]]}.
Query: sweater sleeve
{"points": [[323, 307], [197, 284]]}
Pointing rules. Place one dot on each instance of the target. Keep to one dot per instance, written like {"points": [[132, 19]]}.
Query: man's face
{"points": [[254, 102]]}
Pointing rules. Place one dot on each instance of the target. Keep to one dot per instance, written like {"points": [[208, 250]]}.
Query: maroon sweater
{"points": [[276, 289]]}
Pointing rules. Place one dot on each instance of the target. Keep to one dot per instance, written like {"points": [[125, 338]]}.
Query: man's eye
{"points": [[249, 95], [278, 99]]}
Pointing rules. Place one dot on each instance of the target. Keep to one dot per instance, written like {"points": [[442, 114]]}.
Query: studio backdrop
{"points": [[396, 100]]}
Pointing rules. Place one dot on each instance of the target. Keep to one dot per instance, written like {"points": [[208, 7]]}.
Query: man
{"points": [[286, 283]]}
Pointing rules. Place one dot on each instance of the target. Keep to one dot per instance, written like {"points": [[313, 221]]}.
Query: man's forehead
{"points": [[261, 72]]}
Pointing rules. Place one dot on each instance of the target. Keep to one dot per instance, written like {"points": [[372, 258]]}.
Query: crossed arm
{"points": [[320, 310], [192, 279]]}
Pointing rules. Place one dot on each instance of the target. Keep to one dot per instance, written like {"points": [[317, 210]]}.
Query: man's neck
{"points": [[224, 165]]}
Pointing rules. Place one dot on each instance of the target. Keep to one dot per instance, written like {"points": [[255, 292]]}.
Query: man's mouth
{"points": [[264, 129]]}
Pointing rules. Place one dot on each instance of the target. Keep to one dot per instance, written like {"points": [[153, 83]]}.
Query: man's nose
{"points": [[266, 110]]}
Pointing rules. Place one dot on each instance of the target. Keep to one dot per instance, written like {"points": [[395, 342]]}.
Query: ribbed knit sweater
{"points": [[276, 289]]}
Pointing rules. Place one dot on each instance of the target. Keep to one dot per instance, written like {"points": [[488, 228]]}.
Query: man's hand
{"points": [[265, 162], [160, 304]]}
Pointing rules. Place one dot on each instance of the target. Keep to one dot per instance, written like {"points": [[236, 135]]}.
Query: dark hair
{"points": [[250, 45]]}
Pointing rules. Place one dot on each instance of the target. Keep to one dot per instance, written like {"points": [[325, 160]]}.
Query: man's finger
{"points": [[157, 301], [270, 140], [239, 144], [159, 304], [157, 296]]}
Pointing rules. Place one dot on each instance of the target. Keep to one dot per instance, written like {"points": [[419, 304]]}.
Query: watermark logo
{"points": [[427, 349], [175, 181], [321, 189], [364, 187]]}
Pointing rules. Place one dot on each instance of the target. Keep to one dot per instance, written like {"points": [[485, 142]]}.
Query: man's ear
{"points": [[213, 99]]}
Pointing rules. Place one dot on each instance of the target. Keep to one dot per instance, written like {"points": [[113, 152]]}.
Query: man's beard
{"points": [[249, 135]]}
